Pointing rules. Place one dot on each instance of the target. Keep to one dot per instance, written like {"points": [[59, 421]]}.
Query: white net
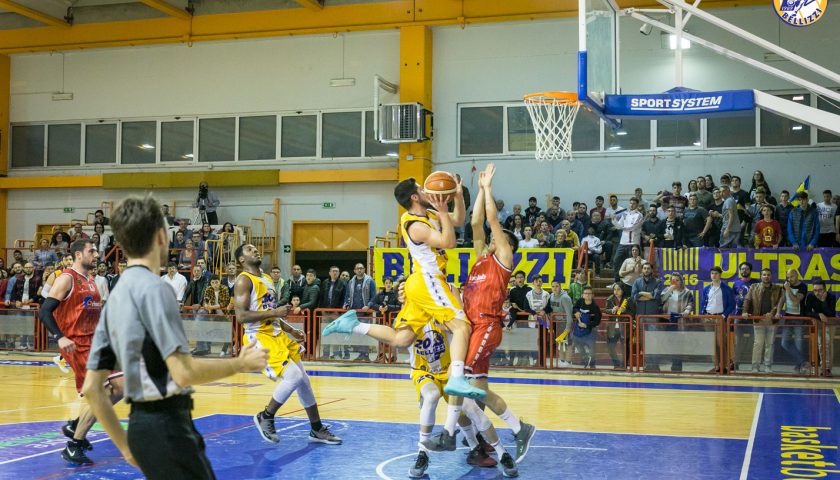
{"points": [[553, 115]]}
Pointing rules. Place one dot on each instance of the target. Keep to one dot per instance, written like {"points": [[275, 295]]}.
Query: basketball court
{"points": [[589, 426]]}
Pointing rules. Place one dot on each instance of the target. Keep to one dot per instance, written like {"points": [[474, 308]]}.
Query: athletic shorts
{"points": [[281, 350], [78, 360], [484, 340], [428, 297], [420, 378]]}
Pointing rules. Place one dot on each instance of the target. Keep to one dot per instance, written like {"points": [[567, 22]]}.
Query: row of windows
{"points": [[143, 142], [507, 129]]}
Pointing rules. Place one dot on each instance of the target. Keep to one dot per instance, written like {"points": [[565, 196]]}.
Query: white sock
{"points": [[423, 437], [362, 328], [452, 414], [500, 450], [456, 368], [469, 433], [512, 420]]}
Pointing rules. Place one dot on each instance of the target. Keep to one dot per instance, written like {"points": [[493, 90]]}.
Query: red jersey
{"points": [[486, 289], [78, 314], [767, 234]]}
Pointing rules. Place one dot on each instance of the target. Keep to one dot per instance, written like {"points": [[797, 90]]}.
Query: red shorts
{"points": [[78, 362], [485, 338]]}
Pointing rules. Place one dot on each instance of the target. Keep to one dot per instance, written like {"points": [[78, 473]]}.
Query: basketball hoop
{"points": [[553, 115]]}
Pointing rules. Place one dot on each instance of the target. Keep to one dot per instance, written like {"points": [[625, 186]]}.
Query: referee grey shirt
{"points": [[139, 327]]}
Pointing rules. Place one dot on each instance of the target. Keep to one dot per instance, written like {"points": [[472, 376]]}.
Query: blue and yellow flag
{"points": [[803, 187]]}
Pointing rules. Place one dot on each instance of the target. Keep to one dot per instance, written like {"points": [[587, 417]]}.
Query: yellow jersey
{"points": [[263, 297], [430, 351], [425, 259]]}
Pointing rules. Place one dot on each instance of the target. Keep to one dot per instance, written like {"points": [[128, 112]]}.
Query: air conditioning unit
{"points": [[403, 123]]}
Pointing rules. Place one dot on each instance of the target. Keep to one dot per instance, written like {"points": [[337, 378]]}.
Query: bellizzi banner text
{"points": [[550, 263]]}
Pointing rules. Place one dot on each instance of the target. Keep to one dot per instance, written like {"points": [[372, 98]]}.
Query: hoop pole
{"points": [[811, 86], [678, 57], [820, 70]]}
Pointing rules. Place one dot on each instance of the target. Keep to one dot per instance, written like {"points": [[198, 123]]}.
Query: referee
{"points": [[141, 331]]}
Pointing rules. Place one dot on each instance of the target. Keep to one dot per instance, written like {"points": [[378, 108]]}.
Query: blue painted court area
{"points": [[383, 450]]}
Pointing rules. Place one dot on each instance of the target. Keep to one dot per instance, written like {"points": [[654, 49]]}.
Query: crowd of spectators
{"points": [[760, 305], [707, 214]]}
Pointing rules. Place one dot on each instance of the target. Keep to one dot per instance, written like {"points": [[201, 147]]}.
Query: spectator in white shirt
{"points": [[827, 212], [595, 248], [101, 280], [629, 222], [175, 280], [527, 241]]}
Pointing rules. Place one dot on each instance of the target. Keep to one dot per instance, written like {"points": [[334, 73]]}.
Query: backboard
{"points": [[597, 52]]}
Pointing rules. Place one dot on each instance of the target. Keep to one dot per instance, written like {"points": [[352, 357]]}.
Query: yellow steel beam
{"points": [[168, 9], [299, 21], [51, 182], [416, 86], [310, 4], [32, 13], [5, 87], [338, 176]]}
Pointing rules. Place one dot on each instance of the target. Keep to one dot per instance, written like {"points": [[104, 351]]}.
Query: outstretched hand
{"points": [[439, 202], [485, 178]]}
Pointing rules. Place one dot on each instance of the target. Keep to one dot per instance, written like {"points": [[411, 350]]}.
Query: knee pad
{"points": [[429, 398]]}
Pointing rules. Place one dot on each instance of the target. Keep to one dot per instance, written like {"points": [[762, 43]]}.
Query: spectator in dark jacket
{"points": [[588, 316], [518, 299], [311, 291], [803, 224], [332, 290], [671, 233]]}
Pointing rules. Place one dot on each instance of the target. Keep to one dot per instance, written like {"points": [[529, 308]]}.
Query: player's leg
{"points": [[522, 432], [319, 432], [74, 451], [349, 323], [429, 398], [287, 381], [477, 457], [482, 423]]}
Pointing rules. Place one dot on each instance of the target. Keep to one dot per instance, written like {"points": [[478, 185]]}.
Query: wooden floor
{"points": [[694, 408]]}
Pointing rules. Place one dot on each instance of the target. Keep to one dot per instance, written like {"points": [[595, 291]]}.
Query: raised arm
{"points": [[504, 250], [459, 213], [477, 219]]}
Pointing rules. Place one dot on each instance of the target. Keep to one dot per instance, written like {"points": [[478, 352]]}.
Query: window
{"points": [[340, 134], [481, 130], [372, 147], [678, 133], [138, 142], [216, 139], [258, 138], [521, 137], [633, 135], [176, 141], [586, 133], [28, 146], [299, 136], [736, 131], [778, 130], [101, 143], [825, 137], [64, 145]]}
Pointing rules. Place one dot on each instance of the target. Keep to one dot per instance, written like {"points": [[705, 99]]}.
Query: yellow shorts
{"points": [[281, 351], [428, 297], [420, 378]]}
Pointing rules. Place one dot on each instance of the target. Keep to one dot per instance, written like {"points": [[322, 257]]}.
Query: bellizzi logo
{"points": [[711, 102], [800, 13]]}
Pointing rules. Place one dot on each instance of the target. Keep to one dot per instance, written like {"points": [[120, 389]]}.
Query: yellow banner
{"points": [[550, 263]]}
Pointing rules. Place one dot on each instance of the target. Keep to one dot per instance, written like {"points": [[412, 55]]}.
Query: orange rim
{"points": [[552, 98]]}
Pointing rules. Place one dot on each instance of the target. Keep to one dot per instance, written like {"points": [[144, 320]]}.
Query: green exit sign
{"points": [[69, 209], [328, 205]]}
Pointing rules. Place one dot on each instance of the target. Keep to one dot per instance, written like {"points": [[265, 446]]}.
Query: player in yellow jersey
{"points": [[427, 229], [429, 360], [255, 301]]}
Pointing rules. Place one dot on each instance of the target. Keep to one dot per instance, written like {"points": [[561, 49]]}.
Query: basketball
{"points": [[441, 183]]}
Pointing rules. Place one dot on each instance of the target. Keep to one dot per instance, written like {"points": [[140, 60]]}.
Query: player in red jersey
{"points": [[485, 290], [71, 313]]}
